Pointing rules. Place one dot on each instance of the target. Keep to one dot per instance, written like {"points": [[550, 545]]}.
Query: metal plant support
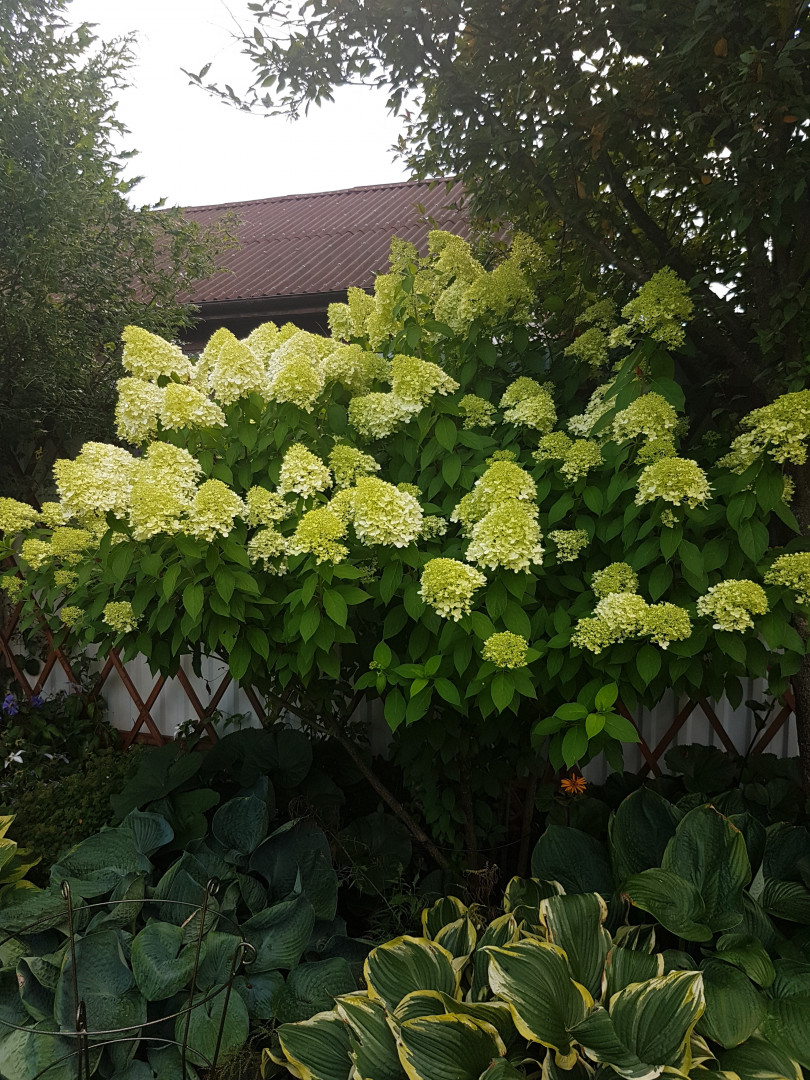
{"points": [[243, 956]]}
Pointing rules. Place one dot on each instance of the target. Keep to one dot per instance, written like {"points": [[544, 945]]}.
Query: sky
{"points": [[195, 149]]}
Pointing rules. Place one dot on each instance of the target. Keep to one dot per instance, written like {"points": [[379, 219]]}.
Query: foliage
{"points": [[43, 731], [14, 862], [547, 986], [281, 530], [68, 803], [77, 263], [628, 137], [581, 729], [136, 901], [182, 780]]}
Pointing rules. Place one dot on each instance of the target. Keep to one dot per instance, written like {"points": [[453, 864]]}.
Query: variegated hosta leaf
{"points": [[528, 892], [758, 1059], [373, 1048], [318, 1048], [501, 931], [655, 1019], [552, 1071], [501, 1069], [672, 900], [625, 966], [710, 853], [534, 979], [448, 1047], [433, 1003], [575, 924], [747, 953], [458, 938], [734, 1008], [597, 1036], [446, 910], [406, 964], [639, 938]]}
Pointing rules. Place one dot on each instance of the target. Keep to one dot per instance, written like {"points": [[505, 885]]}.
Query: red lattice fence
{"points": [[146, 729]]}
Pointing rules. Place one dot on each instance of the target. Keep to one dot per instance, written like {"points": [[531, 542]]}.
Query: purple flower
{"points": [[36, 701], [9, 705]]}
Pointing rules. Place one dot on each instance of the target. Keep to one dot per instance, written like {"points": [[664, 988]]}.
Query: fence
{"points": [[148, 708]]}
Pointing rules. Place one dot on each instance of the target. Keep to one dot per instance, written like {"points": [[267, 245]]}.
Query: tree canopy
{"points": [[632, 136], [77, 263]]}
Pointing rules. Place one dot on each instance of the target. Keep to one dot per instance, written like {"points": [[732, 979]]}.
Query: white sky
{"points": [[195, 149]]}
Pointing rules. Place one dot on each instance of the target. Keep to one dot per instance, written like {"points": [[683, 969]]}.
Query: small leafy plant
{"points": [[580, 730], [544, 989]]}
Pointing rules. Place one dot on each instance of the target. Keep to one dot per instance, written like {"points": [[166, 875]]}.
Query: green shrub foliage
{"points": [[434, 506]]}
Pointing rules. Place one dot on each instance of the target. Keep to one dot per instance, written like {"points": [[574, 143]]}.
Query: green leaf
{"points": [[193, 599], [578, 861], [335, 606], [160, 963], [709, 852], [641, 828], [317, 1048], [310, 621], [533, 976], [606, 697], [648, 663], [571, 710], [574, 745], [446, 433], [502, 690], [672, 900], [405, 964], [734, 1009], [575, 923], [448, 1047], [395, 706]]}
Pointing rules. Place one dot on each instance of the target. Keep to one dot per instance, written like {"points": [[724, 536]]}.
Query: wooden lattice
{"points": [[145, 729]]}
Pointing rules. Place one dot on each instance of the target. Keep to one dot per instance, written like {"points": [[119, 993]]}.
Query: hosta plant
{"points": [[542, 990], [136, 920]]}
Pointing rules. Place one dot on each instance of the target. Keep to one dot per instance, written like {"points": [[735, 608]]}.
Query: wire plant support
{"points": [[94, 1039]]}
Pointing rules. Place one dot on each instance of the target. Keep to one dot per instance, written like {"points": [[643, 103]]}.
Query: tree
{"points": [[77, 263]]}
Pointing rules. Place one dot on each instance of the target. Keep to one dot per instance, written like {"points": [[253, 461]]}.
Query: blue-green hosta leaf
{"points": [[280, 933], [96, 865], [24, 1054], [312, 988], [626, 966], [579, 862], [501, 931], [710, 853], [406, 964], [149, 831], [534, 979], [105, 983], [758, 1059], [257, 990], [36, 980], [747, 953], [204, 1027], [220, 952], [639, 832], [318, 1048], [373, 1048], [672, 900], [448, 1047], [575, 924], [734, 1008], [241, 824], [446, 910], [296, 853], [160, 963]]}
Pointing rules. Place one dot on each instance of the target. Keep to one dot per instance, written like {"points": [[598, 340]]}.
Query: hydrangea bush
{"points": [[433, 506]]}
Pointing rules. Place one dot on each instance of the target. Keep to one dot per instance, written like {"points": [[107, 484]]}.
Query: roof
{"points": [[295, 245]]}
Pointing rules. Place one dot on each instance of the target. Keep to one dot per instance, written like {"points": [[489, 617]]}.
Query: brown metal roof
{"points": [[295, 245]]}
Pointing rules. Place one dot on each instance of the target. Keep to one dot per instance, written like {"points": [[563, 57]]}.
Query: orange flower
{"points": [[573, 785]]}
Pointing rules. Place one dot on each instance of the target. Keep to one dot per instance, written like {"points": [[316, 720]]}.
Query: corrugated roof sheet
{"points": [[296, 245]]}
